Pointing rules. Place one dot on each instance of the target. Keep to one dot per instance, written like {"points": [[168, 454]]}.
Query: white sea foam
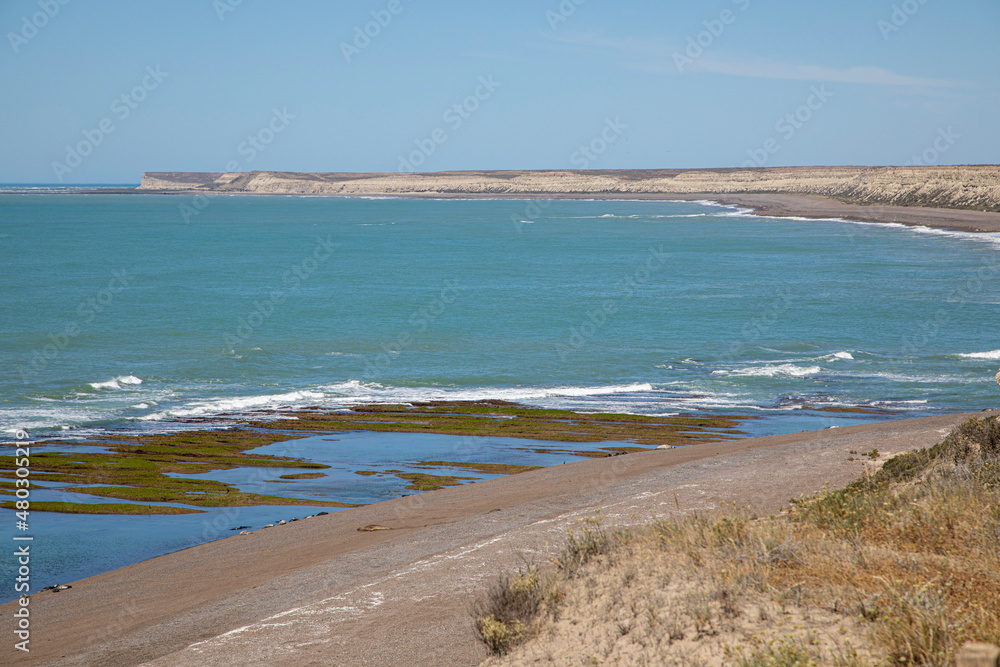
{"points": [[110, 384], [992, 238], [981, 237], [374, 392], [355, 392], [771, 370], [995, 354], [842, 355], [117, 382], [236, 405]]}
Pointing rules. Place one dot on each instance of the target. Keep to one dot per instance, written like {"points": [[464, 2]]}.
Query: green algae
{"points": [[136, 467], [502, 419], [104, 508], [423, 482], [485, 468], [220, 495]]}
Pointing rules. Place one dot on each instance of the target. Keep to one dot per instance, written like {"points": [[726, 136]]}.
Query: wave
{"points": [[995, 354], [117, 382], [771, 370], [376, 393], [993, 238], [355, 392], [235, 405]]}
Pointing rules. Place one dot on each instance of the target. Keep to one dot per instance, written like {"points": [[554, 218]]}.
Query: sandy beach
{"points": [[319, 591]]}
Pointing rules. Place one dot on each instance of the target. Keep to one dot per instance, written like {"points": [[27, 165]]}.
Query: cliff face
{"points": [[971, 187]]}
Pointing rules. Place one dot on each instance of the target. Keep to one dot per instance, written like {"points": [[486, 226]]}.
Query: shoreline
{"points": [[334, 585], [774, 205]]}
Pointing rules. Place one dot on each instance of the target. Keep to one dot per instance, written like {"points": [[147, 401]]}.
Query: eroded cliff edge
{"points": [[974, 188]]}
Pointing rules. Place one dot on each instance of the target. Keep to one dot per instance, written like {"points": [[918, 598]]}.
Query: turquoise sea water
{"points": [[137, 312]]}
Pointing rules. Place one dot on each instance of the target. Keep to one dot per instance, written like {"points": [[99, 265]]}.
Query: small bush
{"points": [[507, 614], [579, 550], [975, 440], [498, 636]]}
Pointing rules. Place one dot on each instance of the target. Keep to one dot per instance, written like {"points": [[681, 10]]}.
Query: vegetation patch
{"points": [[485, 468], [104, 508], [221, 495], [419, 481], [134, 469], [900, 568], [511, 420], [137, 467]]}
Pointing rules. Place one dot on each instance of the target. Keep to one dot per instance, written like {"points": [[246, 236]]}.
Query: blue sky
{"points": [[98, 91]]}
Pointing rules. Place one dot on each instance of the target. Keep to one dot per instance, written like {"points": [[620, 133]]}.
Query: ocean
{"points": [[138, 313]]}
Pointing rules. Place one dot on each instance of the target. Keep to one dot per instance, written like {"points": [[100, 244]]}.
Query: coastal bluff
{"points": [[972, 188]]}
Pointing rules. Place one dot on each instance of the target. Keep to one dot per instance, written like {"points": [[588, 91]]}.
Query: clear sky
{"points": [[95, 91]]}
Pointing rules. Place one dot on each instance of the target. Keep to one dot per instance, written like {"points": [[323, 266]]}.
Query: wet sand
{"points": [[320, 592]]}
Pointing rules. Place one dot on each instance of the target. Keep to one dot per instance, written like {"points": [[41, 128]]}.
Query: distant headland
{"points": [[971, 194]]}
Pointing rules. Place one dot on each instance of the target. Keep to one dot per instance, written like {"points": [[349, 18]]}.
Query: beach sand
{"points": [[321, 592]]}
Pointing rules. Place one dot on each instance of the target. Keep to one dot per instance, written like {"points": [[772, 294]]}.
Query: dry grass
{"points": [[900, 568]]}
